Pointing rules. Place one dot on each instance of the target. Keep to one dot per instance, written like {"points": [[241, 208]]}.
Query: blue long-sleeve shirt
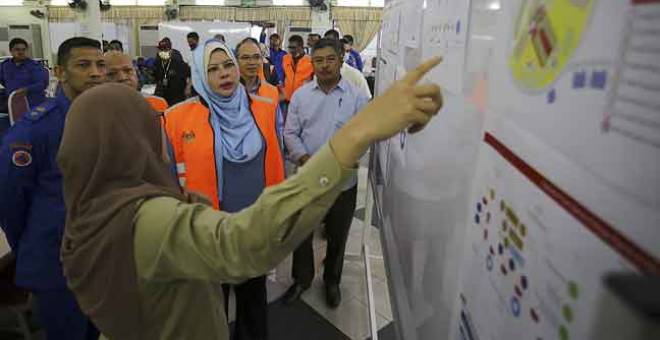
{"points": [[32, 211], [29, 74], [315, 116], [354, 59], [276, 59]]}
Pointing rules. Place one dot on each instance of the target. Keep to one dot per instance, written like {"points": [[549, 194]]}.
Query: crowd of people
{"points": [[126, 211]]}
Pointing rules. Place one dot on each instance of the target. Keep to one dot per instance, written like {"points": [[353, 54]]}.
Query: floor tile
{"points": [[382, 299], [351, 317]]}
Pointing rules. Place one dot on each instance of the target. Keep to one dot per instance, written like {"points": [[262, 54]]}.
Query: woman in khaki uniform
{"points": [[143, 260]]}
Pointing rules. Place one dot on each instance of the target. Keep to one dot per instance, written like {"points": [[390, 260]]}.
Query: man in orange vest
{"points": [[297, 67], [120, 69], [250, 62], [227, 148]]}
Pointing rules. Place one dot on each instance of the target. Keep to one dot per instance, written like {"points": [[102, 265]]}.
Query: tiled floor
{"points": [[352, 316]]}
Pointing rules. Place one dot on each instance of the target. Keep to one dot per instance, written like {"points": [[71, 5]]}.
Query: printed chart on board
{"points": [[575, 110], [445, 34], [584, 77]]}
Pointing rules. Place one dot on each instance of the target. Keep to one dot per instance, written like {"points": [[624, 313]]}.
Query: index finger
{"points": [[418, 73]]}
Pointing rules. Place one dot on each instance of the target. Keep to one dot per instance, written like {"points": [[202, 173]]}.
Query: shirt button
{"points": [[324, 181]]}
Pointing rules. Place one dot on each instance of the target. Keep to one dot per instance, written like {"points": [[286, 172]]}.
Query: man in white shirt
{"points": [[356, 78]]}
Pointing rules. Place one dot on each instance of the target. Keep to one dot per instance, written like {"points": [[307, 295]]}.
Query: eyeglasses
{"points": [[254, 57]]}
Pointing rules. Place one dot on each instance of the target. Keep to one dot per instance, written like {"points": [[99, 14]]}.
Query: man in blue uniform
{"points": [[32, 211], [20, 73]]}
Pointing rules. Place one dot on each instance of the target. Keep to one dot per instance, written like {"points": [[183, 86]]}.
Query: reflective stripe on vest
{"points": [[191, 135]]}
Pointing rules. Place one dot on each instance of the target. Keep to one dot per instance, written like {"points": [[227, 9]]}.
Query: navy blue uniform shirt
{"points": [[30, 75], [32, 209]]}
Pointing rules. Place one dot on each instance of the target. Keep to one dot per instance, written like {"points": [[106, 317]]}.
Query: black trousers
{"points": [[251, 303], [337, 223]]}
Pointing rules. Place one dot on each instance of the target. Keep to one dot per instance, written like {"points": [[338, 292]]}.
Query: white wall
{"points": [[60, 31], [20, 15]]}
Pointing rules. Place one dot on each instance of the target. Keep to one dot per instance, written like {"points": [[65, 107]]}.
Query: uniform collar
{"points": [[61, 98], [342, 85]]}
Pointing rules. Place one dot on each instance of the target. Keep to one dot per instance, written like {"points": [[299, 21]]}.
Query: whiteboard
{"points": [[540, 175]]}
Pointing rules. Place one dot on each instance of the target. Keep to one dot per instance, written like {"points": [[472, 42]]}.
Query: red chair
{"points": [[18, 106]]}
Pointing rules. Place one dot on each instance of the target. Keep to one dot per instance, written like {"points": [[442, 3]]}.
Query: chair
{"points": [[14, 299], [18, 106]]}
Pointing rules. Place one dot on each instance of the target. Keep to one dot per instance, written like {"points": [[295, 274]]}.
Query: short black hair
{"points": [[245, 41], [333, 34], [17, 41], [314, 35], [327, 42], [193, 35], [349, 38], [64, 51], [274, 35], [297, 38], [116, 43], [344, 41]]}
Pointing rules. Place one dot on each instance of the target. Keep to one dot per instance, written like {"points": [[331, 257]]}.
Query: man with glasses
{"points": [[318, 109]]}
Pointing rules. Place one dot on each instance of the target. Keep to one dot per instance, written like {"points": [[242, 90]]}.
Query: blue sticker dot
{"points": [[476, 218], [479, 207], [552, 96], [515, 306], [489, 263]]}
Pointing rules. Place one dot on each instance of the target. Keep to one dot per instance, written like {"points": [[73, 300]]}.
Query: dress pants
{"points": [[337, 223], [59, 315], [251, 304]]}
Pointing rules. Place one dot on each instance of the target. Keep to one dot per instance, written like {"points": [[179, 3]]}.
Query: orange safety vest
{"points": [[295, 78], [157, 103], [189, 130]]}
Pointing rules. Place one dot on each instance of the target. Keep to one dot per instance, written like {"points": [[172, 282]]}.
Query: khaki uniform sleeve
{"points": [[174, 240]]}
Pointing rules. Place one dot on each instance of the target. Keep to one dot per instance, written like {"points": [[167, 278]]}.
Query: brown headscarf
{"points": [[110, 158]]}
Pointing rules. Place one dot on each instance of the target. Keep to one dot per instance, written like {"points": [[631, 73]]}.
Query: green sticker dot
{"points": [[573, 290], [506, 242], [563, 332], [568, 313], [502, 205]]}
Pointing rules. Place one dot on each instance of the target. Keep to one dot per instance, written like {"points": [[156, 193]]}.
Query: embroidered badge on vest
{"points": [[188, 136]]}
